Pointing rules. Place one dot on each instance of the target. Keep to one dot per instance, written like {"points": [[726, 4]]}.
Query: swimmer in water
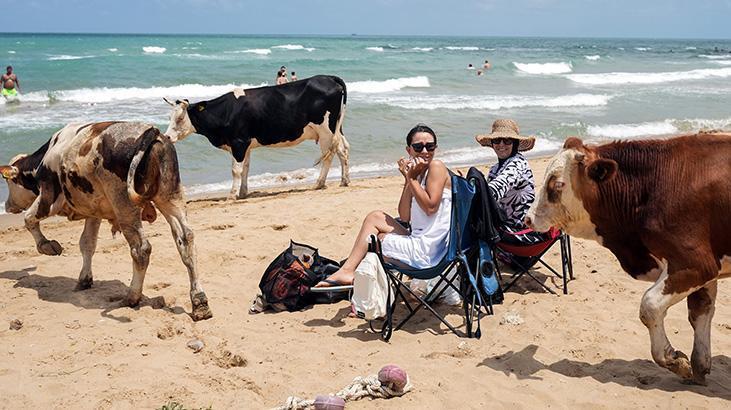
{"points": [[10, 83]]}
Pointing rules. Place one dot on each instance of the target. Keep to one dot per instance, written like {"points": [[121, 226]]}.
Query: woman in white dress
{"points": [[426, 203]]}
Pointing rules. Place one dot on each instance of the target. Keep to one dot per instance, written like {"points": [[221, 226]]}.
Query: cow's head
{"points": [[180, 125], [572, 179], [21, 186]]}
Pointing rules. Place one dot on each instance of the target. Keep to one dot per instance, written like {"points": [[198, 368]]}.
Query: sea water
{"points": [[597, 89]]}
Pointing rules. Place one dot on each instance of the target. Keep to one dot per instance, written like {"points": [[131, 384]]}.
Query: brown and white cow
{"points": [[107, 170], [662, 208]]}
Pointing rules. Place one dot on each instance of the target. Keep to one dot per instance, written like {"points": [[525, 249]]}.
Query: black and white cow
{"points": [[106, 170], [274, 116]]}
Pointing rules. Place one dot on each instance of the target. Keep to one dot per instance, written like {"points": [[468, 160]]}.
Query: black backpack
{"points": [[487, 218], [287, 280]]}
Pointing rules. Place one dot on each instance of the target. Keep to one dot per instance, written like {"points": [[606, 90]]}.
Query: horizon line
{"points": [[355, 35]]}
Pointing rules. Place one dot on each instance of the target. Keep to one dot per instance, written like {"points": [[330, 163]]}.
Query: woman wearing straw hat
{"points": [[511, 179]]}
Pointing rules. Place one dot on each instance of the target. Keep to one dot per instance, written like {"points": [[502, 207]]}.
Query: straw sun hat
{"points": [[507, 129]]}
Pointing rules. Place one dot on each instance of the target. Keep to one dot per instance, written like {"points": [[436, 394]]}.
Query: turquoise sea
{"points": [[595, 88]]}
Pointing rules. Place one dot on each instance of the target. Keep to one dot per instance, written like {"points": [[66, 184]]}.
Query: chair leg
{"points": [[564, 264], [571, 260]]}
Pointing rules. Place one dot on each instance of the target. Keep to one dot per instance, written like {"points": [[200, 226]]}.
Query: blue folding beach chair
{"points": [[475, 279]]}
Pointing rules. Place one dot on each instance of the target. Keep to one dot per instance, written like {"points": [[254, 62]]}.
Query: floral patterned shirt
{"points": [[513, 187]]}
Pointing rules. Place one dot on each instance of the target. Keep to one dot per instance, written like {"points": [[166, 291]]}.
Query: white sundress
{"points": [[427, 244]]}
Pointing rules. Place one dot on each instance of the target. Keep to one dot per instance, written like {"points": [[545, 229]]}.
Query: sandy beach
{"points": [[81, 350]]}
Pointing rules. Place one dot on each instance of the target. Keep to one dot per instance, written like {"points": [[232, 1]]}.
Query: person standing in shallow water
{"points": [[282, 78], [11, 85], [426, 203]]}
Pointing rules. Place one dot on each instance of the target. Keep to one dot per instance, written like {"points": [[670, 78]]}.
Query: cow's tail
{"points": [[338, 137], [138, 190]]}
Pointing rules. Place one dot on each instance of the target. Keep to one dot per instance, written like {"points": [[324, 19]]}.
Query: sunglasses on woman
{"points": [[507, 141], [419, 146]]}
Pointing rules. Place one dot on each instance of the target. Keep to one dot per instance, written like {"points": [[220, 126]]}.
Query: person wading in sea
{"points": [[10, 82]]}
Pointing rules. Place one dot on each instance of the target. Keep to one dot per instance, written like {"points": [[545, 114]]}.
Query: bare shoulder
{"points": [[437, 165]]}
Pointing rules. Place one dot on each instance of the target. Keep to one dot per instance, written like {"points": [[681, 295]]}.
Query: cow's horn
{"points": [[168, 101]]}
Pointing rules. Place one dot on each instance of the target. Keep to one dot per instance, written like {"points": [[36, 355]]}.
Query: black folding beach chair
{"points": [[463, 254]]}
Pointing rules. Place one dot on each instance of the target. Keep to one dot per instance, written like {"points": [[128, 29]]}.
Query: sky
{"points": [[539, 18]]}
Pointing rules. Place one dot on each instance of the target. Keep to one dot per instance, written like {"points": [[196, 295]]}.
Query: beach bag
{"points": [[286, 282], [371, 292]]}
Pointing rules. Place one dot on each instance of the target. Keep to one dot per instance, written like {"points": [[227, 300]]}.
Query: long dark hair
{"points": [[420, 128]]}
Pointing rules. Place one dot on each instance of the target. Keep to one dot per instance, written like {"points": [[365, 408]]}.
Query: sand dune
{"points": [[81, 350]]}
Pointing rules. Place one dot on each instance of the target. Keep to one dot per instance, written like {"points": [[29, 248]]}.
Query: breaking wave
{"points": [[655, 128], [65, 57], [544, 68], [385, 86], [497, 102], [649, 78], [154, 49], [101, 95], [378, 49], [294, 47], [462, 48], [593, 58]]}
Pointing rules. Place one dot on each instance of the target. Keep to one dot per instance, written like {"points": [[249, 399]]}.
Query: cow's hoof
{"points": [[132, 300], [84, 284], [680, 365], [696, 380], [320, 186], [201, 310], [52, 248]]}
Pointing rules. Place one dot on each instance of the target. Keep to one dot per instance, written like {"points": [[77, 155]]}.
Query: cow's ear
{"points": [[9, 171], [602, 169], [573, 143], [200, 106]]}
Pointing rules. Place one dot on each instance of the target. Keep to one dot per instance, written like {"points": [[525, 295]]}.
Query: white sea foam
{"points": [[64, 57], [715, 57], [593, 58], [495, 102], [544, 68], [379, 49], [258, 51], [385, 86], [643, 48], [722, 62], [422, 48], [113, 50], [654, 128], [11, 51], [294, 47], [101, 95], [649, 78], [462, 48], [631, 130], [154, 49], [690, 48]]}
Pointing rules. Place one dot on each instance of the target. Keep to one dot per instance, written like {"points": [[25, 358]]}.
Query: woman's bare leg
{"points": [[376, 223]]}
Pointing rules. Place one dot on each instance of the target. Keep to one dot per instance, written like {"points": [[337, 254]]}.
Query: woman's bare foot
{"points": [[343, 277]]}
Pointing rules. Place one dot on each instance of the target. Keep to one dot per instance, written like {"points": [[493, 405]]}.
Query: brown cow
{"points": [[662, 208], [108, 170]]}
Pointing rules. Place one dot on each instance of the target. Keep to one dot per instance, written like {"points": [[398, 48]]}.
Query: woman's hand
{"points": [[403, 166], [418, 168]]}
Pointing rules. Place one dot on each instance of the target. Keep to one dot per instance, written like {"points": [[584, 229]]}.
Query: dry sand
{"points": [[79, 350]]}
